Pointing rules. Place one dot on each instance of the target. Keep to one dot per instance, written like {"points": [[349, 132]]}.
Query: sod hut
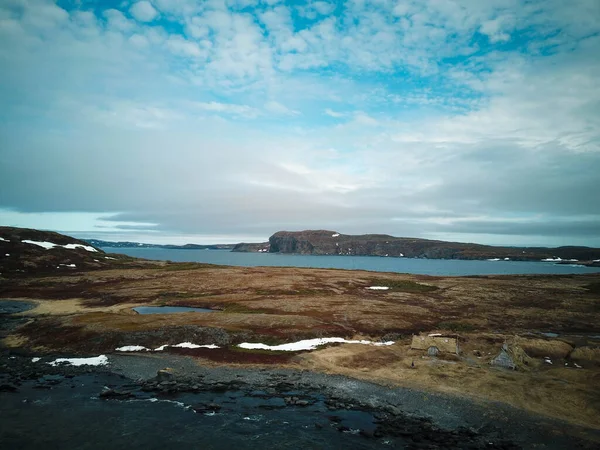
{"points": [[511, 356], [435, 344]]}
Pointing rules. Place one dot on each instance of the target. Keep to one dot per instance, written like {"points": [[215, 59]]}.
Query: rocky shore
{"points": [[402, 417]]}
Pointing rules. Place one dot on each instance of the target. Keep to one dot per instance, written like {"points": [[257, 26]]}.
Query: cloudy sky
{"points": [[226, 120]]}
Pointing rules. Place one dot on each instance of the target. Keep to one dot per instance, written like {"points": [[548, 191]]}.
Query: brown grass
{"points": [[541, 348], [86, 311], [587, 355]]}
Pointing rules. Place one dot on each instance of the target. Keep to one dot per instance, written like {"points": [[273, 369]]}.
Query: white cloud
{"points": [[278, 108], [116, 20], [496, 29], [332, 113], [228, 108], [143, 11], [183, 47], [498, 133]]}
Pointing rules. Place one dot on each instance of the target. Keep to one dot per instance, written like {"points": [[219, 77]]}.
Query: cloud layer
{"points": [[462, 120]]}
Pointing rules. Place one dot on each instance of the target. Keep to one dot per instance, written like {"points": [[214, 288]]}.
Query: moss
{"points": [[242, 309], [257, 351], [593, 288], [190, 266], [456, 326]]}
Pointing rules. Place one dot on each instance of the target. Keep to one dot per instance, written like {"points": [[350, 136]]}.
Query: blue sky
{"points": [[227, 120]]}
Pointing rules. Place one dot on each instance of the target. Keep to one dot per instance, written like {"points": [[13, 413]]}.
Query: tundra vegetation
{"points": [[88, 310]]}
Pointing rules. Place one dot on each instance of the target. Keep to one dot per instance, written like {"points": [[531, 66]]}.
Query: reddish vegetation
{"points": [[233, 356]]}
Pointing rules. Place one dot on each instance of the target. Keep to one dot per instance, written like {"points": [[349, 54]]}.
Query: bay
{"points": [[442, 267]]}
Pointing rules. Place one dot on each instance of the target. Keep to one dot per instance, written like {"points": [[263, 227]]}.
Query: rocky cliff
{"points": [[327, 242]]}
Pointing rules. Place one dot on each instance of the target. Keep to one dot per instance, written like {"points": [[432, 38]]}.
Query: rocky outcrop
{"points": [[328, 242]]}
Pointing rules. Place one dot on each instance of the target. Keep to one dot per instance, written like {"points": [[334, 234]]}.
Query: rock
{"points": [[206, 407], [165, 375], [366, 433], [6, 387], [113, 393]]}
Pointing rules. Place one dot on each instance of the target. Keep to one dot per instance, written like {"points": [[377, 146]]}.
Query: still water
{"points": [[444, 267]]}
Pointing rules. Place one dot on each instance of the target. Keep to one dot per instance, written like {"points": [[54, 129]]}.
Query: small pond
{"points": [[169, 309], [15, 306]]}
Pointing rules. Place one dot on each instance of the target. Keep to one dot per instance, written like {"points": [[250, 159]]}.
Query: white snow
{"points": [[378, 288], [596, 260], [8, 254], [185, 345], [131, 348], [555, 259], [67, 265], [307, 344], [434, 334], [89, 248], [578, 366], [335, 235], [46, 245], [49, 245], [547, 360], [402, 255], [108, 257], [494, 259], [190, 345], [35, 359], [5, 240], [506, 259], [101, 360]]}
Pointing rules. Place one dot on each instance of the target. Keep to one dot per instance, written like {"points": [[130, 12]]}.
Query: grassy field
{"points": [[91, 312]]}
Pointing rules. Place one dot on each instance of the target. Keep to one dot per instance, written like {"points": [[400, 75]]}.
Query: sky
{"points": [[174, 121]]}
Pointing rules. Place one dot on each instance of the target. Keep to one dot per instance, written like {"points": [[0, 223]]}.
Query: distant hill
{"points": [[127, 244], [326, 242], [24, 250]]}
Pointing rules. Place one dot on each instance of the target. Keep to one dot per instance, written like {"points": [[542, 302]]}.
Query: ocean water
{"points": [[443, 267]]}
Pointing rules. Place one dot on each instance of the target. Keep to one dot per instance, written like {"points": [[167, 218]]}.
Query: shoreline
{"points": [[422, 415]]}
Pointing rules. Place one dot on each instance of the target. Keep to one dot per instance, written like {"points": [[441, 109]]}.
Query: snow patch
{"points": [[185, 345], [494, 259], [308, 344], [190, 345], [132, 348], [434, 334], [378, 288], [506, 259], [49, 245], [89, 248], [5, 240], [35, 359], [101, 360], [335, 235], [8, 254]]}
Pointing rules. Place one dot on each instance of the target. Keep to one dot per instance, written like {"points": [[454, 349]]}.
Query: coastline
{"points": [[416, 417]]}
